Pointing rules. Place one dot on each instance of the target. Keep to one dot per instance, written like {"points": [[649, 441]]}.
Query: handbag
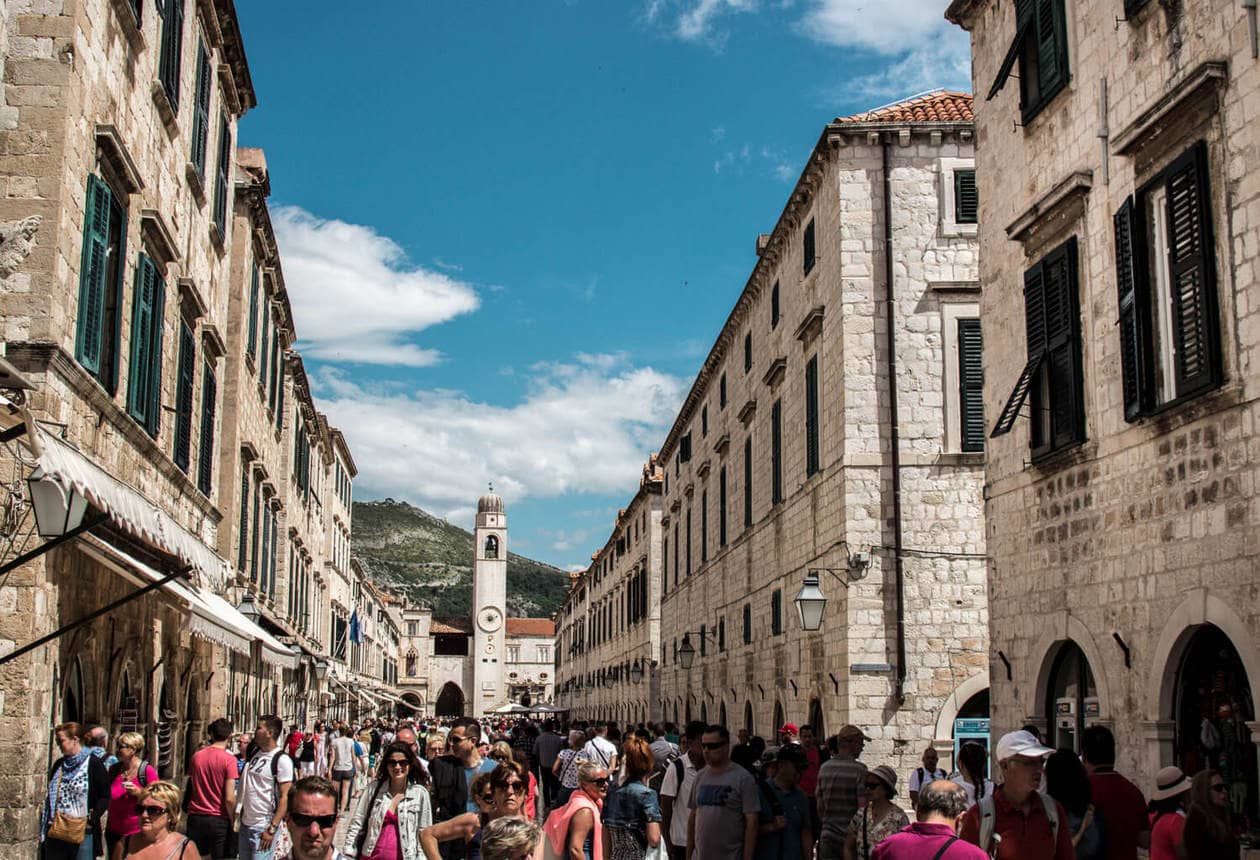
{"points": [[63, 827]]}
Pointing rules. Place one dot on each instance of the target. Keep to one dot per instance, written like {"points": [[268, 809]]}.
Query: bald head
{"points": [[97, 737], [941, 802], [408, 737]]}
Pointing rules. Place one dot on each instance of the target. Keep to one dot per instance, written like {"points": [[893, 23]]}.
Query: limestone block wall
{"points": [[1146, 530]]}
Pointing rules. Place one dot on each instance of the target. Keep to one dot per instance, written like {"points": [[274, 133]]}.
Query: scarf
{"points": [[68, 789]]}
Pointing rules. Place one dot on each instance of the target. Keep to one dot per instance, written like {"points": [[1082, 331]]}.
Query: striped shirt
{"points": [[839, 784]]}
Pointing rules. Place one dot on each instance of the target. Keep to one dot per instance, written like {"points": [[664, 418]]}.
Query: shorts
{"points": [[342, 775]]}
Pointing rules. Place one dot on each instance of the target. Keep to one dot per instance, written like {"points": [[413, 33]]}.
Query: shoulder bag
{"points": [[63, 827]]}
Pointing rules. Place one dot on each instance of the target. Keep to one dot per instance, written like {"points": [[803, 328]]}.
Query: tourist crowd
{"points": [[464, 789]]}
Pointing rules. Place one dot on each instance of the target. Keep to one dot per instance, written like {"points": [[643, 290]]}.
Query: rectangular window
{"points": [[253, 547], [704, 640], [721, 634], [704, 526], [776, 452], [970, 385], [722, 392], [1051, 380], [704, 421], [1040, 45], [684, 449], [98, 329], [251, 342], [665, 563], [776, 612], [809, 247], [747, 352], [144, 384], [205, 446], [242, 550], [748, 483], [774, 306], [201, 111], [172, 12], [966, 200], [273, 378], [264, 564], [688, 541], [722, 506], [747, 623], [1169, 322], [221, 178], [676, 554], [184, 380], [265, 353], [811, 416]]}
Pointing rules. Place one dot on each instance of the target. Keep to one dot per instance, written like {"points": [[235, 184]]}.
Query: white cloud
{"points": [[696, 20], [884, 26], [356, 297], [585, 426], [944, 62]]}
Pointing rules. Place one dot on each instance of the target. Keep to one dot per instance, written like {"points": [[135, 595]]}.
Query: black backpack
{"points": [[657, 779]]}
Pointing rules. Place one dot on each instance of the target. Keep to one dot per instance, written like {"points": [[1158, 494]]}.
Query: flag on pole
{"points": [[356, 632]]}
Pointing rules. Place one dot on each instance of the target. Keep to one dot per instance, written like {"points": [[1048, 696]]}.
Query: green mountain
{"points": [[412, 552]]}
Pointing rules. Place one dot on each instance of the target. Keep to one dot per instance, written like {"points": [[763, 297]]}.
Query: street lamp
{"points": [[57, 510], [321, 669], [686, 652], [636, 673], [810, 602], [249, 608]]}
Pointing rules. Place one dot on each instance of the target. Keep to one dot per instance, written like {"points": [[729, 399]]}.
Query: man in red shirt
{"points": [[1118, 801], [1017, 819], [212, 792], [814, 758]]}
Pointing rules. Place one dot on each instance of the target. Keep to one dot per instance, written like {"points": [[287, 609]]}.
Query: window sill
{"points": [[217, 238], [961, 458], [1027, 115], [130, 24], [165, 109], [195, 183], [1071, 455], [1186, 410]]}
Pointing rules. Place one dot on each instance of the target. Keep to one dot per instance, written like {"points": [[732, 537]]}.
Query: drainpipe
{"points": [[899, 683]]}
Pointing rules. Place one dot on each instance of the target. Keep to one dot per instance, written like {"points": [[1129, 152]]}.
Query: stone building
{"points": [[473, 664], [834, 431], [608, 638], [1119, 228]]}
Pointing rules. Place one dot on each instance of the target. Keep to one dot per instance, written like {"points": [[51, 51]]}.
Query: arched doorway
{"points": [[411, 706], [748, 718], [816, 720], [72, 695], [450, 702], [1212, 705], [704, 713], [1071, 697]]}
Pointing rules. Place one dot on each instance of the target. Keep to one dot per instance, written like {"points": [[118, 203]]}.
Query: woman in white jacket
{"points": [[392, 810]]}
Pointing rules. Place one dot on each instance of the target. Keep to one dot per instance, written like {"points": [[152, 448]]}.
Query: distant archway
{"points": [[492, 547], [450, 702], [816, 720], [411, 706], [72, 698]]}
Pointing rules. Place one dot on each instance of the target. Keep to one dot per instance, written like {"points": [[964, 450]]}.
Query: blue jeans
{"points": [[247, 847]]}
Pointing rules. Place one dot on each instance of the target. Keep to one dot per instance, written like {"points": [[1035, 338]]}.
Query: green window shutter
{"points": [[1035, 334], [242, 550], [89, 336], [1132, 299], [144, 388], [201, 111], [221, 183], [264, 559], [275, 371], [776, 452], [970, 385], [748, 483], [1051, 39], [776, 612], [688, 541], [811, 416], [677, 554], [1192, 273], [205, 445], [280, 401], [264, 353], [169, 62], [251, 342], [704, 526], [1062, 344], [809, 247], [966, 200], [722, 506], [184, 396], [253, 547]]}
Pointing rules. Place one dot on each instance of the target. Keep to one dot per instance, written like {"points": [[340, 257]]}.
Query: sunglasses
{"points": [[1220, 787], [518, 787], [714, 746], [150, 810], [488, 797], [397, 762], [602, 782], [325, 822]]}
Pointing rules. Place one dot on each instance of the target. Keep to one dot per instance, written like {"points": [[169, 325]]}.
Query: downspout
{"points": [[899, 682]]}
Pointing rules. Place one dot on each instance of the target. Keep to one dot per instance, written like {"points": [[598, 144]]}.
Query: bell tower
{"points": [[489, 609]]}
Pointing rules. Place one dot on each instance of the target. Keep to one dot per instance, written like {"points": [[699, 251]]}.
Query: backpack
{"points": [[657, 779], [275, 775], [988, 818]]}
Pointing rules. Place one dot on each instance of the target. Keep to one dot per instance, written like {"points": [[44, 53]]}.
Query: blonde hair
{"points": [[508, 837], [135, 740], [167, 794], [502, 748], [587, 770]]}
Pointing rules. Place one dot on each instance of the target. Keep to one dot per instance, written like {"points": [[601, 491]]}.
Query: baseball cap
{"points": [[1020, 743], [851, 733], [789, 728]]}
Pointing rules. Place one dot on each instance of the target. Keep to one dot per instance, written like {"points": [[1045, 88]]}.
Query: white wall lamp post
{"points": [[811, 601]]}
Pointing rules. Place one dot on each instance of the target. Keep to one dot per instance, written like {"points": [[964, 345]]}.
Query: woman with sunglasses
{"points": [[157, 838], [127, 779], [879, 819], [1209, 834], [575, 830], [387, 822], [632, 817], [498, 793]]}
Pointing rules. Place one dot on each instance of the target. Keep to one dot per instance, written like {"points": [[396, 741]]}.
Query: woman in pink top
{"points": [[1168, 818], [127, 779]]}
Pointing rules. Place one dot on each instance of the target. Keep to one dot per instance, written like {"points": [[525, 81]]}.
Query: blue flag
{"points": [[356, 632]]}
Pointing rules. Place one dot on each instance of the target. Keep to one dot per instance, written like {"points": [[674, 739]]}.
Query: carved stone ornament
{"points": [[16, 242]]}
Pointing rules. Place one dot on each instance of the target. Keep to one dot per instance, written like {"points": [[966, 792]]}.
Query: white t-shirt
{"points": [[599, 750], [920, 775], [971, 792], [258, 789], [682, 799], [343, 753]]}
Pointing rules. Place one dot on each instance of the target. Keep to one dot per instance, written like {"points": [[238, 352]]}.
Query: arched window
{"points": [[411, 663], [1072, 698], [492, 547]]}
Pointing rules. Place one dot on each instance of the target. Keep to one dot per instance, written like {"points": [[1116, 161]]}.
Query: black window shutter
{"points": [[704, 526], [747, 623], [970, 385], [1062, 326], [747, 352], [748, 482], [774, 305], [92, 274], [1192, 272], [1035, 332], [1024, 27], [811, 416], [221, 184], [722, 506], [776, 452], [1131, 295], [242, 549], [809, 248], [184, 396], [172, 44], [966, 199], [201, 111], [205, 445], [1051, 44], [776, 612]]}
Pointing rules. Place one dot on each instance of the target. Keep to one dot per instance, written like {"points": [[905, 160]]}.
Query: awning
{"points": [[273, 651], [126, 506]]}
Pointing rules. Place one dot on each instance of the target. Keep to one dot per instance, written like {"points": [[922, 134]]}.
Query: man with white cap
{"points": [[1017, 822]]}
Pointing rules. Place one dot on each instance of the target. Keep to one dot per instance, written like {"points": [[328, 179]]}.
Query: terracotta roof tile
{"points": [[531, 627], [451, 625], [935, 106]]}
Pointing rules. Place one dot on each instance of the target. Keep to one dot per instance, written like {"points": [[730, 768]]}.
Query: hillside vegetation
{"points": [[412, 552]]}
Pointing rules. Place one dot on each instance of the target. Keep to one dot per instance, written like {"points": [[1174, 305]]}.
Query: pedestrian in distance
{"points": [[784, 825], [343, 764], [78, 795], [549, 744], [1117, 800], [601, 748], [210, 798], [921, 776], [264, 792], [391, 813], [1208, 834], [973, 763], [840, 783], [934, 833], [575, 830], [97, 742], [128, 777], [158, 837], [1067, 782], [725, 804], [512, 839], [311, 821], [306, 754], [1168, 814], [632, 815], [565, 769], [1016, 821], [879, 818]]}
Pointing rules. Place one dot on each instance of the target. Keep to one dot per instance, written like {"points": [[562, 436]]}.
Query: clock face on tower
{"points": [[489, 619]]}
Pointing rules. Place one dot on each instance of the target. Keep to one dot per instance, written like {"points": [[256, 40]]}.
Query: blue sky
{"points": [[511, 230]]}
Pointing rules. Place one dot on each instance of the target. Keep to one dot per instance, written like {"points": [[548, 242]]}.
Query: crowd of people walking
{"points": [[465, 789]]}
